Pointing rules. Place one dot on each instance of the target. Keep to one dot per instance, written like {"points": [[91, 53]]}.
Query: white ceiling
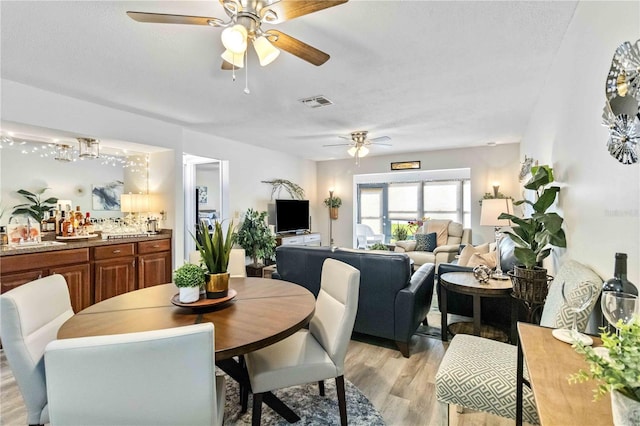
{"points": [[430, 75]]}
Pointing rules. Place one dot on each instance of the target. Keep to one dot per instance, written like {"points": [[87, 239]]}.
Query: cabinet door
{"points": [[154, 269], [79, 282], [10, 281], [113, 277]]}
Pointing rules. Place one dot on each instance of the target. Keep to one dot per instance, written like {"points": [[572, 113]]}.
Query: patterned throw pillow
{"points": [[426, 242]]}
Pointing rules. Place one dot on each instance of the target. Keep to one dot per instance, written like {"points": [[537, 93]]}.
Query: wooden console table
{"points": [[550, 362]]}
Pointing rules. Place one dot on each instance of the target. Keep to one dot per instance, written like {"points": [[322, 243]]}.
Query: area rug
{"points": [[307, 403]]}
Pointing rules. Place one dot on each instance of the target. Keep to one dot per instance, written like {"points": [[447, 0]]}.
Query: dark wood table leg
{"points": [[476, 314], [239, 374], [519, 384], [515, 306], [443, 313]]}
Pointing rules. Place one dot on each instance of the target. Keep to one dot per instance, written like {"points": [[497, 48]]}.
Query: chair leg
{"points": [[257, 409], [342, 400], [244, 389], [321, 387]]}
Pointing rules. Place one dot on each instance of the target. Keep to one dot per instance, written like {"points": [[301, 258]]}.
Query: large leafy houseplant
{"points": [[255, 237], [534, 235], [215, 247], [36, 207]]}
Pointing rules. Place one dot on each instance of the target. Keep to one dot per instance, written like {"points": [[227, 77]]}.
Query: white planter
{"points": [[626, 411], [189, 294]]}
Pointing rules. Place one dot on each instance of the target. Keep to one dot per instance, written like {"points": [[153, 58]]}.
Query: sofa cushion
{"points": [[440, 227], [421, 257], [407, 245], [486, 259], [469, 250], [426, 242], [455, 231]]}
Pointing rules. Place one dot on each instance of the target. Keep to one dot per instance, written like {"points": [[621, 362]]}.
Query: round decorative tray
{"points": [[204, 303]]}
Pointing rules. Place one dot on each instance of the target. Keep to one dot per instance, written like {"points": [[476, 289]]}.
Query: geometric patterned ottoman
{"points": [[480, 374]]}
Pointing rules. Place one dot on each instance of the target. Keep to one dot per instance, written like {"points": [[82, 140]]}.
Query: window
{"points": [[386, 205]]}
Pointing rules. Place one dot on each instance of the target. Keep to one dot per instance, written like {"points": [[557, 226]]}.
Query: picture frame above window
{"points": [[405, 165]]}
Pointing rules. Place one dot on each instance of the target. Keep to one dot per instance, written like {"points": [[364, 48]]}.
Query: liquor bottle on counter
{"points": [[51, 222], [619, 283], [88, 226], [61, 228], [77, 218], [57, 222]]}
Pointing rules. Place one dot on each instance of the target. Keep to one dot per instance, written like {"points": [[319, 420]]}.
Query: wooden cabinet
{"points": [[72, 264], [154, 263], [94, 273], [114, 270]]}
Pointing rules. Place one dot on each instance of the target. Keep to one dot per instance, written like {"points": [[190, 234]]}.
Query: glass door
{"points": [[371, 208]]}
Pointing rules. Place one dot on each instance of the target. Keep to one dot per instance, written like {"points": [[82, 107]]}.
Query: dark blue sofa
{"points": [[392, 302]]}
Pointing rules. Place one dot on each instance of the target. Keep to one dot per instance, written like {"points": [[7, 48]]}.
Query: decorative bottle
{"points": [[619, 283]]}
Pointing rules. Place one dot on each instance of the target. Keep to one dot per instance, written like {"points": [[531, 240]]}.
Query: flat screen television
{"points": [[292, 216]]}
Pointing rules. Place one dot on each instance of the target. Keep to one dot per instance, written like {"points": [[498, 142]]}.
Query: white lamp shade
{"points": [[266, 51], [492, 208], [352, 151], [134, 203], [235, 38], [126, 203], [363, 151], [237, 59]]}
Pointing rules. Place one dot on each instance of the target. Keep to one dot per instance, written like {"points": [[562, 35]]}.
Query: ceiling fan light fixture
{"points": [[235, 38], [363, 151], [352, 151], [266, 51], [237, 59]]}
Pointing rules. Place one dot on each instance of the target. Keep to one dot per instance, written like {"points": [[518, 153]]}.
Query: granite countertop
{"points": [[45, 246]]}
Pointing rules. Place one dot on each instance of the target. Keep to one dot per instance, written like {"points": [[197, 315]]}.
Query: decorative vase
{"points": [[625, 410], [334, 213], [189, 294], [217, 285]]}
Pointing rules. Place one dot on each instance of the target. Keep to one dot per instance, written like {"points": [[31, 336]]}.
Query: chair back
{"points": [[556, 312], [195, 257], [237, 266], [31, 316], [336, 308], [160, 377]]}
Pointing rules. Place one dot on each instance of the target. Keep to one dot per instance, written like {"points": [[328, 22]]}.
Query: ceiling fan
{"points": [[359, 143], [244, 24]]}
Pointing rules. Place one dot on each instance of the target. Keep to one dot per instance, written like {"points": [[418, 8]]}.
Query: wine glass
{"points": [[577, 297], [618, 306]]}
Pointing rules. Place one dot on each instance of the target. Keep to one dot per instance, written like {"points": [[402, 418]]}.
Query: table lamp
{"points": [[491, 209]]}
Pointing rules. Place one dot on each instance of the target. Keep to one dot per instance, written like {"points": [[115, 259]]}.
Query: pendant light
{"points": [[88, 148]]}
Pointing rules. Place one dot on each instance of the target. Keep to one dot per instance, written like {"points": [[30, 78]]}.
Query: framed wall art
{"points": [[405, 165]]}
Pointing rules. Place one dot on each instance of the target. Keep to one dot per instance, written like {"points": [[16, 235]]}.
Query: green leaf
{"points": [[526, 256], [542, 175], [546, 199]]}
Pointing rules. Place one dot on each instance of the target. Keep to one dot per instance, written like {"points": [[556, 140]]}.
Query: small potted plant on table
{"points": [[617, 371], [188, 278], [215, 250]]}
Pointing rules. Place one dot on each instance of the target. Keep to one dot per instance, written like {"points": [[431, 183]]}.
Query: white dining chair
{"points": [[160, 377], [315, 354], [30, 317]]}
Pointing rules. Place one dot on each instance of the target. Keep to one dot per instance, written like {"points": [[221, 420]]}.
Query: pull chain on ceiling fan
{"points": [[245, 24], [359, 145]]}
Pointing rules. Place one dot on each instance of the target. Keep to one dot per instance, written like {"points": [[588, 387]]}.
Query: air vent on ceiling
{"points": [[316, 101]]}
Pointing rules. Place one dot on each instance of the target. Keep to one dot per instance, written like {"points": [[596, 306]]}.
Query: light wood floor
{"points": [[402, 389]]}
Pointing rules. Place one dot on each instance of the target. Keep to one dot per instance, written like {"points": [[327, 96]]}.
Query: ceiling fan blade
{"points": [[380, 139], [290, 9], [380, 144], [339, 144], [162, 18], [296, 47]]}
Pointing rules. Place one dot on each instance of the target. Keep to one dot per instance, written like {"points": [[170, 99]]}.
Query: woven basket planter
{"points": [[530, 285]]}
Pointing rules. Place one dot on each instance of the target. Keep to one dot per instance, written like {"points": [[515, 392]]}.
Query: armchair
{"points": [[449, 235], [366, 237]]}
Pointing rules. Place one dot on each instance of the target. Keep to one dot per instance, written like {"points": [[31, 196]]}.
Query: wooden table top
{"points": [[550, 362], [466, 283], [265, 311]]}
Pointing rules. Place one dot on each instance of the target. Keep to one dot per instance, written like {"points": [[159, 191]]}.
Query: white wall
{"points": [[208, 175], [488, 164], [248, 165], [600, 197]]}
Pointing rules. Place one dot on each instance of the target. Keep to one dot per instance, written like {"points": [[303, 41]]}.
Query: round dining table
{"points": [[264, 311]]}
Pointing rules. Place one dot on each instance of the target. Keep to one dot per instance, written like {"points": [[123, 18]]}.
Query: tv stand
{"points": [[302, 239]]}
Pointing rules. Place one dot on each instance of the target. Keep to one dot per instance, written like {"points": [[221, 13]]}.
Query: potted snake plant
{"points": [[215, 249]]}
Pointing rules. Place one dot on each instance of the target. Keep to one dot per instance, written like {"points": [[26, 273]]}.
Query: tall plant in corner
{"points": [[255, 237], [535, 235]]}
